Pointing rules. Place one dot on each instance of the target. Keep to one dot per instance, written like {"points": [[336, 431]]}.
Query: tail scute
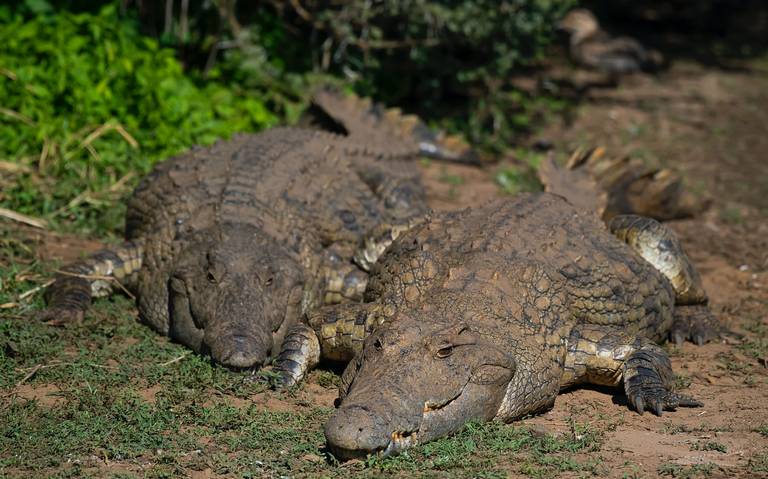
{"points": [[373, 124], [620, 186]]}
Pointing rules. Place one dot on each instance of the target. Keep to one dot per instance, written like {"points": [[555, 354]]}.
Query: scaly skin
{"points": [[489, 313], [228, 246], [618, 186]]}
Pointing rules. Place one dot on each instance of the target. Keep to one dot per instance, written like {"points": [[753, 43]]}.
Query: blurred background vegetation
{"points": [[92, 93]]}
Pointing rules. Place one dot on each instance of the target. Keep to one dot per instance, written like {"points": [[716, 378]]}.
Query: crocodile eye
{"points": [[444, 352], [211, 278], [269, 281], [378, 345]]}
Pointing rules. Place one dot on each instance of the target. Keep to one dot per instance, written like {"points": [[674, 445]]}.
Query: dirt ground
{"points": [[713, 126]]}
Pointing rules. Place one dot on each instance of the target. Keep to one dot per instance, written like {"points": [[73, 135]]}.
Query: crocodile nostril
{"points": [[239, 351], [239, 359]]}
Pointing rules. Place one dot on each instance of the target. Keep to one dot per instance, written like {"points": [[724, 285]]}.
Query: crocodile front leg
{"points": [[299, 354], [334, 333], [613, 357], [70, 294]]}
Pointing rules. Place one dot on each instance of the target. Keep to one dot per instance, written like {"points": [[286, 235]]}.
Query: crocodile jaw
{"points": [[398, 440]]}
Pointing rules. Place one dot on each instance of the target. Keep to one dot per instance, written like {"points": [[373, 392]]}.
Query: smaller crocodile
{"points": [[488, 313], [228, 246]]}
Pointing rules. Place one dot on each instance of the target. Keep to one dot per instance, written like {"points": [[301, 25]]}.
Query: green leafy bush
{"points": [[450, 60], [88, 104], [91, 97]]}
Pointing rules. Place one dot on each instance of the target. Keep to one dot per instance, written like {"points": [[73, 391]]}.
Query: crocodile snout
{"points": [[240, 351], [356, 431]]}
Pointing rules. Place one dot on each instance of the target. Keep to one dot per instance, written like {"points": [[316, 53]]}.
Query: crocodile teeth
{"points": [[399, 442]]}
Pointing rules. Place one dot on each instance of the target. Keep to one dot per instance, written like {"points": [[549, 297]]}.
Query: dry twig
{"points": [[20, 218], [174, 360], [17, 116], [34, 290], [95, 277], [29, 374], [12, 167]]}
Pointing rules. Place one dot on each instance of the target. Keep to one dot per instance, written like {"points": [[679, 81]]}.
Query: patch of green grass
{"points": [[763, 430], [634, 472], [327, 379], [453, 180], [100, 369], [758, 463], [478, 447], [709, 446], [732, 215], [670, 428], [756, 344], [729, 362], [514, 180], [686, 472], [682, 381]]}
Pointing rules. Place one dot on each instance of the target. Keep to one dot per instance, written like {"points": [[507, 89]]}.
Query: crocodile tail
{"points": [[574, 183], [69, 296], [615, 186], [372, 123]]}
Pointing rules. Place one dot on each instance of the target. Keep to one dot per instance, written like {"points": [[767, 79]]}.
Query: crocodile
{"points": [[592, 48], [227, 246], [488, 313]]}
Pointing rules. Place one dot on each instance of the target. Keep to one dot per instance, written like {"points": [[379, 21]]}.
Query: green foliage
{"points": [[513, 179], [443, 58], [449, 61], [89, 104]]}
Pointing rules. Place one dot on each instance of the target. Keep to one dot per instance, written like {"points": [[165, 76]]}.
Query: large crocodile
{"points": [[488, 313], [227, 246]]}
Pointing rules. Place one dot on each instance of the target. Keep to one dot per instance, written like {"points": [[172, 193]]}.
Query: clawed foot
{"points": [[695, 323], [659, 399], [648, 383], [282, 377]]}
